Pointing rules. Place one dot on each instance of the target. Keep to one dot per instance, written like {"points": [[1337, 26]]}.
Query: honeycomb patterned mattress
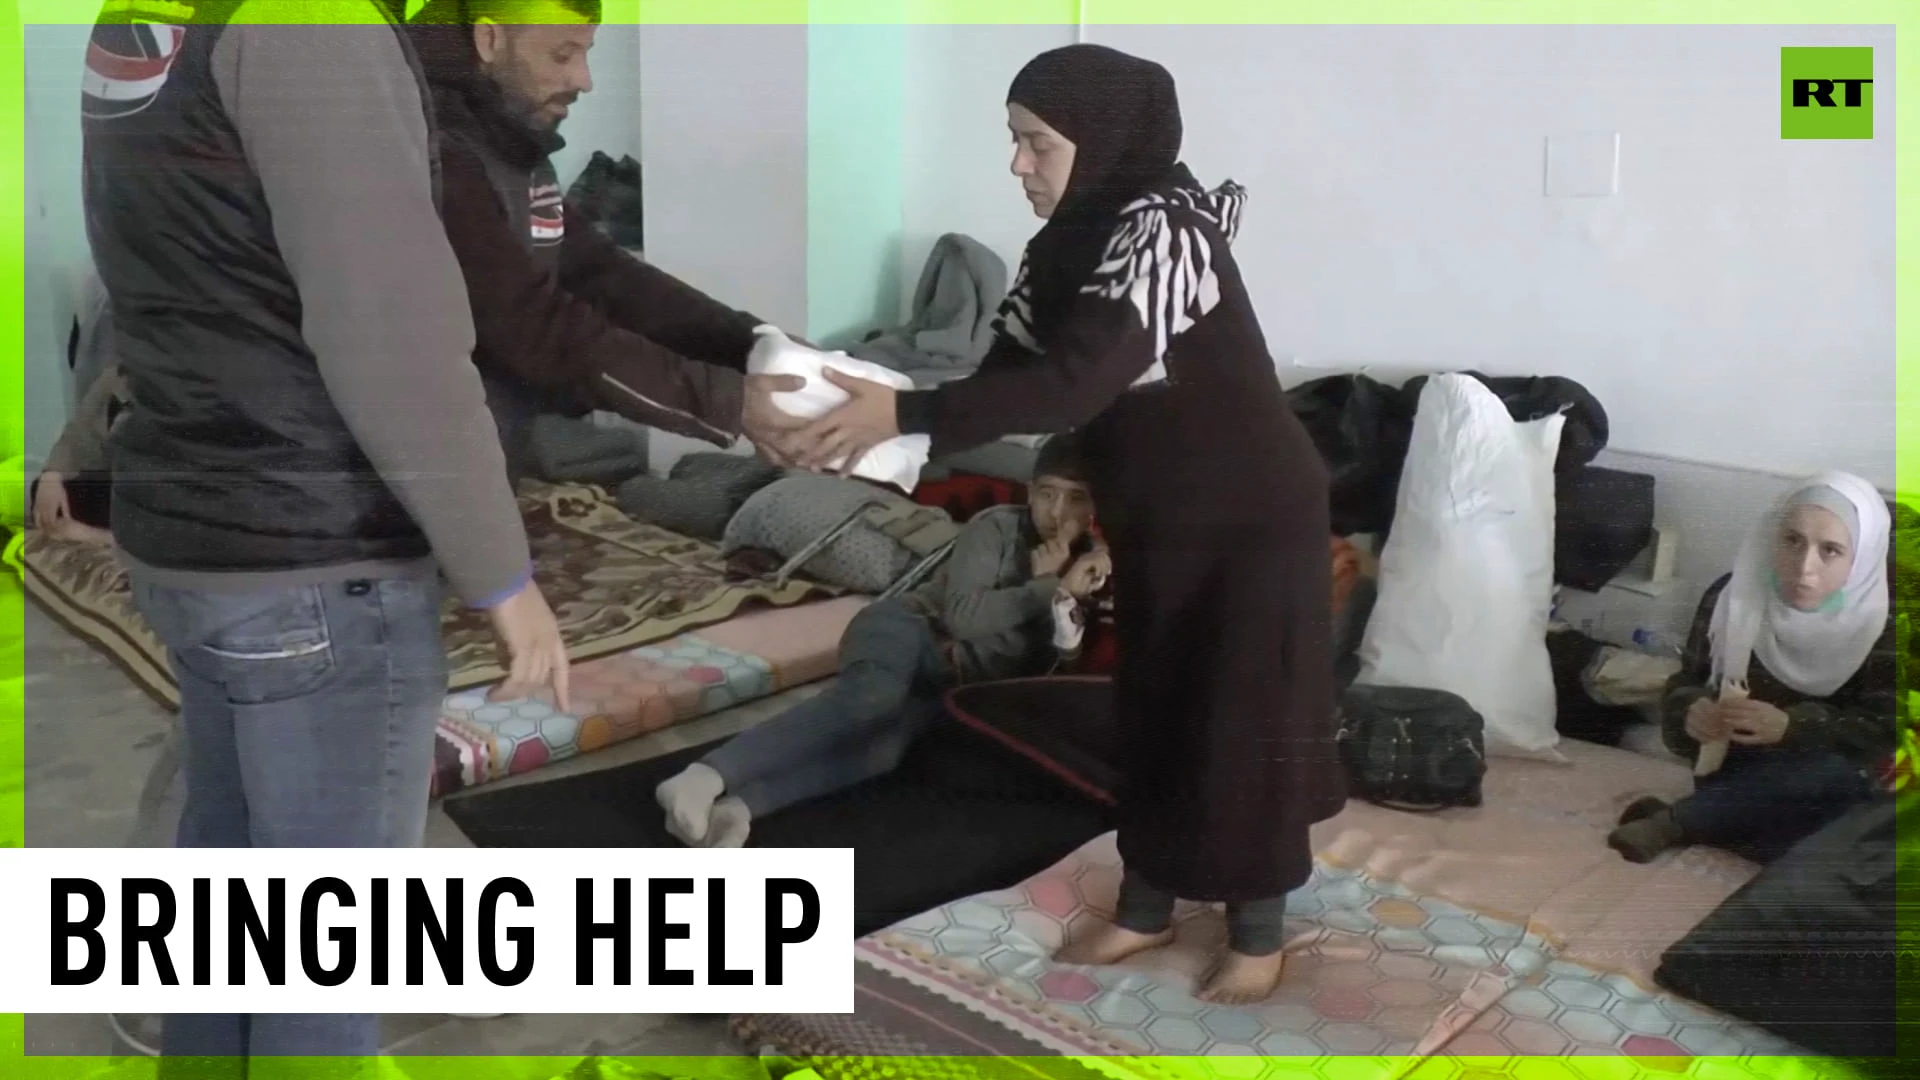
{"points": [[1507, 931]]}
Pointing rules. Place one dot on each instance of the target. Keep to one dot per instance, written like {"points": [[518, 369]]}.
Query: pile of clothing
{"points": [[575, 450], [1363, 428], [950, 327], [608, 194], [699, 495]]}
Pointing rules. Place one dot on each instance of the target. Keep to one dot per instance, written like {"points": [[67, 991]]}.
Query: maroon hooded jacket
{"points": [[566, 319]]}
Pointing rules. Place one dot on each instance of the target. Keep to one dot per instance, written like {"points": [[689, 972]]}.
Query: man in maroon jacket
{"points": [[566, 321]]}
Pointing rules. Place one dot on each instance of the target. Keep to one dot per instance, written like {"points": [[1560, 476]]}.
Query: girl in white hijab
{"points": [[1786, 698]]}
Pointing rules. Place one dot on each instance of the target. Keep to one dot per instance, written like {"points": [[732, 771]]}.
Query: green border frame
{"points": [[1904, 15]]}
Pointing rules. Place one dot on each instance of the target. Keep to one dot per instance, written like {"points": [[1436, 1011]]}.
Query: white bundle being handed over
{"points": [[897, 461]]}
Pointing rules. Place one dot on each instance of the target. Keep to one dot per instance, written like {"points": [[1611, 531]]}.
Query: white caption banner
{"points": [[436, 930]]}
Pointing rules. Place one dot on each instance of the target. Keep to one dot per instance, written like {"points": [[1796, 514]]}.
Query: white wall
{"points": [[608, 118], [724, 138], [956, 143], [856, 75], [56, 240], [724, 155], [1731, 304]]}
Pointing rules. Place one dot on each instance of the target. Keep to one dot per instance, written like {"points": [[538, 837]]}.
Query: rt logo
{"points": [[1826, 93], [1820, 91]]}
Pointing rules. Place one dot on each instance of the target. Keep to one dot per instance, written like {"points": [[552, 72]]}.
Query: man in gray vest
{"points": [[565, 320], [308, 449]]}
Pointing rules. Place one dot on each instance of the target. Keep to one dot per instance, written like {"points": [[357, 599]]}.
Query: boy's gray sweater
{"points": [[992, 616]]}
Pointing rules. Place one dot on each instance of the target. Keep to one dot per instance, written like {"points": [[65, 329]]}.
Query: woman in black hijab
{"points": [[1128, 318]]}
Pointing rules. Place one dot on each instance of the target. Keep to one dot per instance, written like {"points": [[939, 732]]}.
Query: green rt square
{"points": [[1826, 93]]}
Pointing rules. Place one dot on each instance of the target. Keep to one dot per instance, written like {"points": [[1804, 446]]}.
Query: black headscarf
{"points": [[1122, 115]]}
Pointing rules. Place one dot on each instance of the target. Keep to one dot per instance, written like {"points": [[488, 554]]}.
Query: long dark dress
{"points": [[1215, 503]]}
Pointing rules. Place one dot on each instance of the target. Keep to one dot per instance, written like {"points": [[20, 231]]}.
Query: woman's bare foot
{"points": [[1109, 944], [1243, 980]]}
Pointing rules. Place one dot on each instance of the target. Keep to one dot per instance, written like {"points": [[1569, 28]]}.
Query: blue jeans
{"points": [[892, 676], [307, 717], [1761, 802]]}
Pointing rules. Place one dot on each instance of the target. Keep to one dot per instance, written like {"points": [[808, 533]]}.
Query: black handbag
{"points": [[1408, 748]]}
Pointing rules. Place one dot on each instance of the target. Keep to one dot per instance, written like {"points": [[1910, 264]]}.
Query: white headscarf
{"points": [[1813, 652]]}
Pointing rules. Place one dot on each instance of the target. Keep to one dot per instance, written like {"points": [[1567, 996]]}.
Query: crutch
{"points": [[918, 572]]}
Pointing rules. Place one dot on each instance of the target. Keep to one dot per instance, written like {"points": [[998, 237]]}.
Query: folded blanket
{"points": [[951, 325], [897, 461], [699, 496], [565, 450]]}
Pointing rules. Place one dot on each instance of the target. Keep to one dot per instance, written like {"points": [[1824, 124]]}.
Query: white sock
{"points": [[688, 800], [728, 823]]}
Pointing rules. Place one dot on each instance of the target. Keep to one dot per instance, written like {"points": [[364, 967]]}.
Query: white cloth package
{"points": [[1466, 580], [897, 461]]}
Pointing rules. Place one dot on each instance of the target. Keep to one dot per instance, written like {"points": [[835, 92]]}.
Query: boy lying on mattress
{"points": [[987, 613]]}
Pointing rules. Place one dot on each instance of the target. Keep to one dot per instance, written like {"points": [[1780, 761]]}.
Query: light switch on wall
{"points": [[1583, 164]]}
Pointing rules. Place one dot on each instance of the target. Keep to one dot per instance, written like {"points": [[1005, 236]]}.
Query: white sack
{"points": [[897, 461], [1466, 580]]}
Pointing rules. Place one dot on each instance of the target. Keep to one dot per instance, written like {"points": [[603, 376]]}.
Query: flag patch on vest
{"points": [[127, 64], [548, 216]]}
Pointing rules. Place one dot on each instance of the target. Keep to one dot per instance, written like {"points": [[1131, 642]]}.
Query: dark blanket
{"points": [[1362, 428], [962, 815], [608, 194], [1062, 724], [1808, 948]]}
